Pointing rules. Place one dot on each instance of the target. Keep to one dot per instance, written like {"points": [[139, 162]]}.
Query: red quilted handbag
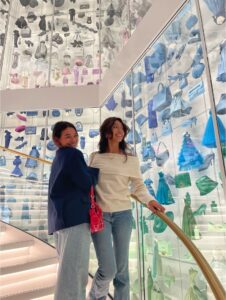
{"points": [[96, 214]]}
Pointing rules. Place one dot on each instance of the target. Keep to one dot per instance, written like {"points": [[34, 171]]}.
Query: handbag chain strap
{"points": [[92, 194], [92, 197]]}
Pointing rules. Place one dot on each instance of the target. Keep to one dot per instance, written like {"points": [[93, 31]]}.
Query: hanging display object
{"points": [[189, 157]]}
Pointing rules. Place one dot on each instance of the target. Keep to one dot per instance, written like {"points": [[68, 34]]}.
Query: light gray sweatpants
{"points": [[72, 245]]}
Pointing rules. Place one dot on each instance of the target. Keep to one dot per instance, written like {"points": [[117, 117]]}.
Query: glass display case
{"points": [[4, 11], [174, 135], [213, 17], [62, 42]]}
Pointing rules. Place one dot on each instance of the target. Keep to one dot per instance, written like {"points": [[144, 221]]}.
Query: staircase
{"points": [[28, 266]]}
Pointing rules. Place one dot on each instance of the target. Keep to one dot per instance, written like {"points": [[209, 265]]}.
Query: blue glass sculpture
{"points": [[208, 139], [8, 137], [148, 182], [164, 195], [189, 157], [31, 163], [17, 171]]}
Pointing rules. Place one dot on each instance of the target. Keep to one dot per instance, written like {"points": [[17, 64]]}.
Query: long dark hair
{"points": [[106, 130]]}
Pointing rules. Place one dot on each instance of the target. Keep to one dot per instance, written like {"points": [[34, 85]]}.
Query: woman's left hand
{"points": [[154, 206]]}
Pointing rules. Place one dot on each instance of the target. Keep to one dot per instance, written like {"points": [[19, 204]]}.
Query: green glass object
{"points": [[188, 221], [197, 234], [201, 210], [205, 185], [214, 207], [182, 180], [151, 217], [159, 225], [224, 151], [193, 292]]}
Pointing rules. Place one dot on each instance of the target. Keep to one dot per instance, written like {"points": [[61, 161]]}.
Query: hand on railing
{"points": [[155, 206]]}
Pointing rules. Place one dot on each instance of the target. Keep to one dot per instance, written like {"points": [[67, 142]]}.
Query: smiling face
{"points": [[68, 138], [117, 132]]}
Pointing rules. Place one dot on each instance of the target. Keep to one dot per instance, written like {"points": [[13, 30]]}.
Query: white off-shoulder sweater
{"points": [[118, 178]]}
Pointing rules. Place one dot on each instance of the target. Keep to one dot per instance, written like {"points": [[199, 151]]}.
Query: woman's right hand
{"points": [[155, 206]]}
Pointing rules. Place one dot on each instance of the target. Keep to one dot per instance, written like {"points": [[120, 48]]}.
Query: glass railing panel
{"points": [[172, 105], [24, 181], [213, 18], [172, 112], [169, 270], [23, 130], [23, 197], [31, 131]]}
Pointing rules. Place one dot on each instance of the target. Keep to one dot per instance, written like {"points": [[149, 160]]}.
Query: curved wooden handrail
{"points": [[214, 283], [26, 155]]}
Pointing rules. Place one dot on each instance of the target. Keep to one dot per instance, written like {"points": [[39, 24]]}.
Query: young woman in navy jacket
{"points": [[68, 212]]}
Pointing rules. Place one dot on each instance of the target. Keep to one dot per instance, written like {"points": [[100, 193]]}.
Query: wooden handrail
{"points": [[214, 282], [44, 161]]}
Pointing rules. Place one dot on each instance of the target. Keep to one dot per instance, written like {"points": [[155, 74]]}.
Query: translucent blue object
{"points": [[164, 195], [189, 157], [208, 139]]}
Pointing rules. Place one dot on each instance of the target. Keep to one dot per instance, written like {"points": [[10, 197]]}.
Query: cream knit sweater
{"points": [[118, 178]]}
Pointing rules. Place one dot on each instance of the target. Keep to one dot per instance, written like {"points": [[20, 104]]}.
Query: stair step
{"points": [[15, 245], [25, 265], [14, 253], [47, 297], [2, 228], [27, 274], [30, 284]]}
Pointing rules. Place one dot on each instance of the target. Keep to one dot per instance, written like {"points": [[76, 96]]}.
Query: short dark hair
{"points": [[106, 129], [60, 126]]}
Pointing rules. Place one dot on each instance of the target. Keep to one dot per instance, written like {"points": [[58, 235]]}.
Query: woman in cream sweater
{"points": [[119, 176]]}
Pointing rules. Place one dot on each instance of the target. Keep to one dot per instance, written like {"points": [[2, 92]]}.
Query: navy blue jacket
{"points": [[69, 186]]}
